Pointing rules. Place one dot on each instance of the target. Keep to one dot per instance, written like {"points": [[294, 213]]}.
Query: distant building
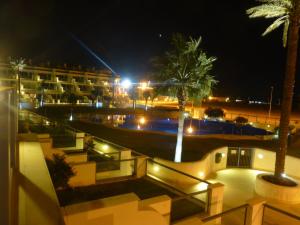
{"points": [[54, 82]]}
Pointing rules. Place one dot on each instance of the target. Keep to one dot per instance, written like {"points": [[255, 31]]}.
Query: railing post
{"points": [[255, 211], [140, 166], [216, 195]]}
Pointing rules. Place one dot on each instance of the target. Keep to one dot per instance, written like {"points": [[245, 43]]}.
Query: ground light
{"points": [[105, 147], [201, 186], [201, 174], [190, 130], [156, 168]]}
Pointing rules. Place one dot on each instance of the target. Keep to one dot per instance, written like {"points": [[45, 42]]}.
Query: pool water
{"points": [[199, 127]]}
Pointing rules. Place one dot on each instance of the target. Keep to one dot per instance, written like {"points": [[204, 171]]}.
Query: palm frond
{"points": [[280, 9], [286, 3], [285, 32], [267, 11], [185, 70], [275, 25]]}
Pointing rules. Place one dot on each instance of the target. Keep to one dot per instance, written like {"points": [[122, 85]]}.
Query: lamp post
{"points": [[270, 103]]}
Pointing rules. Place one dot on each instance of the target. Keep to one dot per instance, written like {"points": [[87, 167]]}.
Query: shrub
{"points": [[241, 120], [89, 146], [214, 112], [60, 171]]}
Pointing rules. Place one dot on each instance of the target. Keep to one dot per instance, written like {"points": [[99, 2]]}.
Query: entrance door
{"points": [[239, 157]]}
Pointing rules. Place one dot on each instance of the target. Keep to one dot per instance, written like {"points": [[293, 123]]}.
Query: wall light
{"points": [[156, 168], [105, 147], [260, 156], [201, 174]]}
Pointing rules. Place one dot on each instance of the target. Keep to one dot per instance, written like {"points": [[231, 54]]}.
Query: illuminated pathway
{"points": [[239, 187]]}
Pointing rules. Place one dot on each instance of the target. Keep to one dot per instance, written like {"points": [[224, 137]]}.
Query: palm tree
{"points": [[185, 71], [133, 94], [96, 93], [287, 13], [146, 95], [17, 65]]}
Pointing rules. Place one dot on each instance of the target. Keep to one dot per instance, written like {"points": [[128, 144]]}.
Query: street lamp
{"points": [[270, 103], [126, 84]]}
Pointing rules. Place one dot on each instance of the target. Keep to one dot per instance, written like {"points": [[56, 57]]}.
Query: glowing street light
{"points": [[143, 85], [126, 83], [142, 120]]}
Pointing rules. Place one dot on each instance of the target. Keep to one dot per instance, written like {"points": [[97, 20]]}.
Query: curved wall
{"points": [[261, 160]]}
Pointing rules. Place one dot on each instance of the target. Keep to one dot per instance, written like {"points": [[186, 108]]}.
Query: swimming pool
{"points": [[191, 126]]}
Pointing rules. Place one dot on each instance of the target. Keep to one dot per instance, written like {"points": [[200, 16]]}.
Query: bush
{"points": [[241, 120], [214, 112], [60, 171], [89, 146]]}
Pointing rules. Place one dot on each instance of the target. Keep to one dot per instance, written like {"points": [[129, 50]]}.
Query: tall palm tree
{"points": [[185, 72], [287, 13], [146, 96], [17, 65]]}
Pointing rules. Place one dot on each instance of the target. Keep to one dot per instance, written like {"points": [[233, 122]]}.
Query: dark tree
{"points": [[60, 171]]}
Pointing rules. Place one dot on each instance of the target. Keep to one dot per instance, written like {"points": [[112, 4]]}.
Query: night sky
{"points": [[128, 33]]}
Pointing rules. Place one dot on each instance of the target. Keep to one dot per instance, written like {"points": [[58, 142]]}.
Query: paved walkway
{"points": [[239, 187]]}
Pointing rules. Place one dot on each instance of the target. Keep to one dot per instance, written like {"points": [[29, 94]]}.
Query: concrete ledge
{"points": [[289, 195]]}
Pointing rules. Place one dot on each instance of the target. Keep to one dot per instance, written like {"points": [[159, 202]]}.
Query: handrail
{"points": [[282, 211], [186, 174], [77, 130], [188, 195], [118, 160], [209, 218]]}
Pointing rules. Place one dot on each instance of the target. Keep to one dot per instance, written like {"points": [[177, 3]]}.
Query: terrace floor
{"points": [[239, 187]]}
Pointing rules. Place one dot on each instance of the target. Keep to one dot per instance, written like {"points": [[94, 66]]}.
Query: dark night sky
{"points": [[125, 33]]}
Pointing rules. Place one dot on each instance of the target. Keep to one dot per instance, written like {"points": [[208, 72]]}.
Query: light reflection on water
{"points": [[191, 126]]}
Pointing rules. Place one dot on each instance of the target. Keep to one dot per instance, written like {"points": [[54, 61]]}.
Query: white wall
{"points": [[201, 169], [85, 174], [261, 160], [79, 143], [76, 158], [265, 160]]}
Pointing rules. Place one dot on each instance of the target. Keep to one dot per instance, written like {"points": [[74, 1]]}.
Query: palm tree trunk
{"points": [[288, 88], [181, 104], [146, 101]]}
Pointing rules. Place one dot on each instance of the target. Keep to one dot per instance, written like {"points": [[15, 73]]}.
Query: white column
{"points": [[216, 195], [255, 211]]}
